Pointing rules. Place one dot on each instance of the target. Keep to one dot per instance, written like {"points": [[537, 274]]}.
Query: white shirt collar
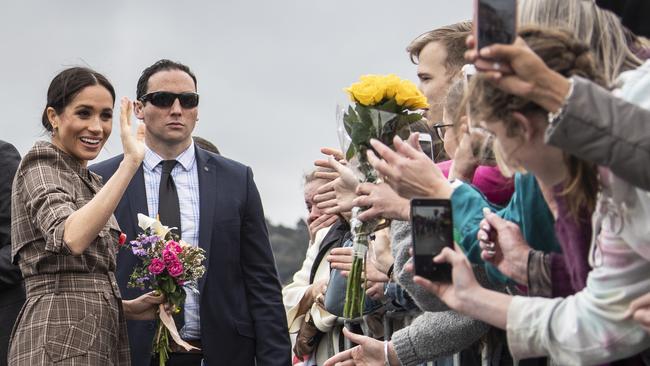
{"points": [[186, 159]]}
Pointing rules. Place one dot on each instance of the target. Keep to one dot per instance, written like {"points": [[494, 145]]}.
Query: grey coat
{"points": [[599, 127], [438, 332]]}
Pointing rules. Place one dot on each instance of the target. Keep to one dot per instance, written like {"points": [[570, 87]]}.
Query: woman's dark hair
{"points": [[65, 87]]}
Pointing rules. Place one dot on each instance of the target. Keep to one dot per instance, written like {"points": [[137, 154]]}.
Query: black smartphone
{"points": [[495, 21], [432, 230]]}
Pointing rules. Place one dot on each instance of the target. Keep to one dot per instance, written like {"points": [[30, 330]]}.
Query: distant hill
{"points": [[289, 248]]}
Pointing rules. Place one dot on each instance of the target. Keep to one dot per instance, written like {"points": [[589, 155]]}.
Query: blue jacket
{"points": [[243, 322], [527, 208]]}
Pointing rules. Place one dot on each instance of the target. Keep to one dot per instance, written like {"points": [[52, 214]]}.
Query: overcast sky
{"points": [[269, 72]]}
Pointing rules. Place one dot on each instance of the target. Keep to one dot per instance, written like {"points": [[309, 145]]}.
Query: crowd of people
{"points": [[539, 152], [550, 261]]}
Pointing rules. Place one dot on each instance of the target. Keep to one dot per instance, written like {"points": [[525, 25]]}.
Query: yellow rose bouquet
{"points": [[383, 106]]}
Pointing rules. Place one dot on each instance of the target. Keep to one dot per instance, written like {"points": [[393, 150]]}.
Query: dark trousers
{"points": [[180, 359], [12, 301]]}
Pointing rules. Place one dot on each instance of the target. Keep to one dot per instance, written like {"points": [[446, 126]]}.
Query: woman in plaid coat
{"points": [[64, 236]]}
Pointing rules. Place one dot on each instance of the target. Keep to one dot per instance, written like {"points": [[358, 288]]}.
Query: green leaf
{"points": [[350, 153], [390, 105], [361, 133], [168, 285], [350, 118], [364, 114], [412, 117]]}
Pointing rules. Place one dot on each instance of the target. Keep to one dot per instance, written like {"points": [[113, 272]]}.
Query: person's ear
{"points": [[53, 117], [138, 109], [525, 126]]}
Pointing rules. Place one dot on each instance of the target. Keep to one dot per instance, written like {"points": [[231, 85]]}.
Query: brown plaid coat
{"points": [[73, 313]]}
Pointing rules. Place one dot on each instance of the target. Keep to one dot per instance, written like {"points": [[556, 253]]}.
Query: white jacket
{"points": [[589, 327]]}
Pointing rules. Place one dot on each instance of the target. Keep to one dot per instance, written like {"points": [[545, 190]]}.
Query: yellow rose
{"points": [[391, 84], [408, 96], [372, 89], [369, 91]]}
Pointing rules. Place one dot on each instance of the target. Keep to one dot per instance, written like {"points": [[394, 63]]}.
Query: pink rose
{"points": [[175, 269], [174, 247], [157, 266], [169, 256]]}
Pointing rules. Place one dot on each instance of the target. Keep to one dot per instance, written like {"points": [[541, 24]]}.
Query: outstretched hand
{"points": [[132, 143], [503, 245], [336, 196], [382, 202], [341, 259], [369, 352], [409, 171], [463, 280]]}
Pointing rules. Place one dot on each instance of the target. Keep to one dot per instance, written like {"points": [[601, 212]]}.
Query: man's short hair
{"points": [[452, 37], [160, 65]]}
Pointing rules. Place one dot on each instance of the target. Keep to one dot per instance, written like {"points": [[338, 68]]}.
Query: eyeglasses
{"points": [[165, 99], [439, 129]]}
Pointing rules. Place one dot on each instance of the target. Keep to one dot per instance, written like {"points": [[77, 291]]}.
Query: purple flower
{"points": [[175, 268], [139, 252], [157, 266], [150, 239]]}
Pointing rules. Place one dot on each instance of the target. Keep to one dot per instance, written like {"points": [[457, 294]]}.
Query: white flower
{"points": [[145, 222], [184, 244]]}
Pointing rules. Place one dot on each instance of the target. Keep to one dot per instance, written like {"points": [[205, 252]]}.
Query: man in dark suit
{"points": [[238, 317], [12, 292]]}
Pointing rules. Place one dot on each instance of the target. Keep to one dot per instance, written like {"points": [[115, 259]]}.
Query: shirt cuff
{"points": [[404, 347], [539, 276], [55, 243], [525, 336]]}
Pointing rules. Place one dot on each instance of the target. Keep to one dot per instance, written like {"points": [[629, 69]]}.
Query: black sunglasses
{"points": [[438, 127], [165, 99]]}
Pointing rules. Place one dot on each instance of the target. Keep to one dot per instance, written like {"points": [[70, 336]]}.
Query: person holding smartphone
{"points": [[592, 326]]}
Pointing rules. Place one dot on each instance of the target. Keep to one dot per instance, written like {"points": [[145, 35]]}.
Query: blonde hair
{"points": [[454, 101], [566, 55], [600, 29]]}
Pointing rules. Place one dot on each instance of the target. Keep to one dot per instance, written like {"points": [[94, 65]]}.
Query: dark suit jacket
{"points": [[242, 315], [12, 293]]}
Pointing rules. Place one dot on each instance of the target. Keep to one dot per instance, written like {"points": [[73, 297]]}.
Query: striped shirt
{"points": [[186, 179]]}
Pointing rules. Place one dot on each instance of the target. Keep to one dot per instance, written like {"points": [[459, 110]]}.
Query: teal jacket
{"points": [[527, 208]]}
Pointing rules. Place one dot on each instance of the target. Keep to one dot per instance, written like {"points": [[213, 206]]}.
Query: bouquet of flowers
{"points": [[169, 266], [383, 106]]}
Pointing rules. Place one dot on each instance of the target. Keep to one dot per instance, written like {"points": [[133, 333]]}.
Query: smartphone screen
{"points": [[495, 21], [432, 230], [426, 145]]}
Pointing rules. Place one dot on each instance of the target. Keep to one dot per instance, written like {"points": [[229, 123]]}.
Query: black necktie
{"points": [[169, 210], [169, 213]]}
